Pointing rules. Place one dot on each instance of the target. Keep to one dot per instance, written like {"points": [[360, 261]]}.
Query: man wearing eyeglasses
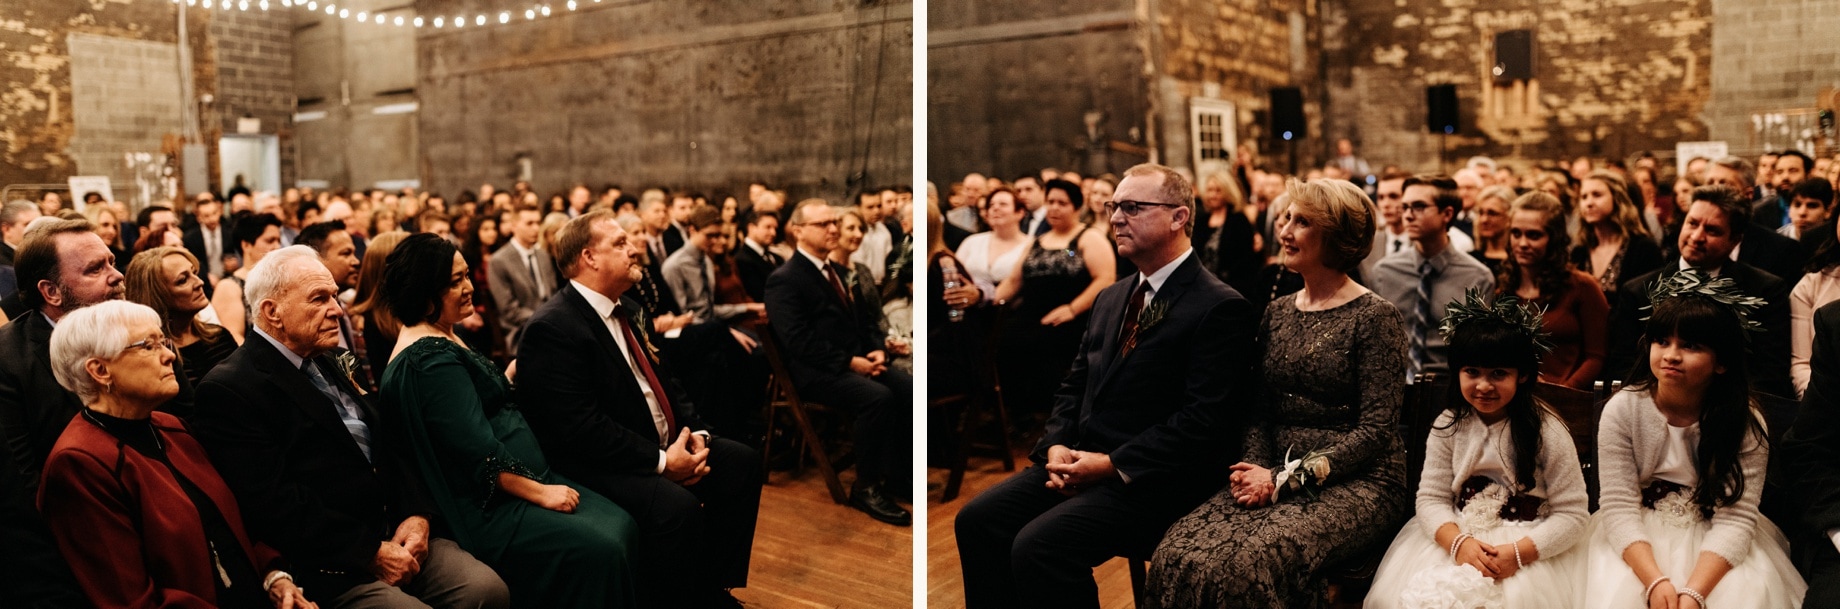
{"points": [[837, 355], [1141, 431], [1421, 280]]}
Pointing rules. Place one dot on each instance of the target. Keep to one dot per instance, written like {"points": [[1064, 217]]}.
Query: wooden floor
{"points": [[809, 552], [944, 581]]}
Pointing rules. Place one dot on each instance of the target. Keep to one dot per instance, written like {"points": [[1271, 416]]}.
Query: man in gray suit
{"points": [[521, 274]]}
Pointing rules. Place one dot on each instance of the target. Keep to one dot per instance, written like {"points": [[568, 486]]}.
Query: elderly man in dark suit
{"points": [[1715, 224], [837, 356], [1140, 426], [610, 415], [319, 475]]}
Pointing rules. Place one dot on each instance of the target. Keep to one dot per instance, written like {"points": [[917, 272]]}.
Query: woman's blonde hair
{"points": [[1342, 212], [1623, 213], [370, 277], [146, 283]]}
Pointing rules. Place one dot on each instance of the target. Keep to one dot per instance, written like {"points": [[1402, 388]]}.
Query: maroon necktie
{"points": [[1127, 333], [644, 359], [831, 273]]}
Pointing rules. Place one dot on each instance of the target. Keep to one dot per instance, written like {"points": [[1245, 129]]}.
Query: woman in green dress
{"points": [[555, 543]]}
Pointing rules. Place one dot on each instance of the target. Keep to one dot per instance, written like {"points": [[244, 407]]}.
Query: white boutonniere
{"points": [[1306, 474], [348, 365]]}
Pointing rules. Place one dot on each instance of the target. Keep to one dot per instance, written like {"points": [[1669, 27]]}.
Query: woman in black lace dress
{"points": [[1335, 356], [1053, 289]]}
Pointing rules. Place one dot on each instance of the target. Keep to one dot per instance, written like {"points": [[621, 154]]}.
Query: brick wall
{"points": [[1614, 77], [1237, 51], [255, 77], [1769, 57], [1011, 86], [803, 94]]}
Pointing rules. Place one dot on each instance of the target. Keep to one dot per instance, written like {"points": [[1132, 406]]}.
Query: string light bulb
{"points": [[418, 22], [529, 14], [504, 17]]}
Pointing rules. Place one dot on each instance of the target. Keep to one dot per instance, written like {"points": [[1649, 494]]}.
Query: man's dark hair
{"points": [[1807, 161], [146, 214], [902, 189], [1446, 197], [1027, 176], [300, 213], [1818, 189], [705, 217], [416, 276], [624, 201], [575, 237], [319, 235], [37, 258], [1734, 206], [752, 217], [249, 228]]}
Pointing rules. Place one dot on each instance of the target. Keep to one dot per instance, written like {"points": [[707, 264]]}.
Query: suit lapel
{"points": [[602, 335], [1172, 291], [294, 383]]}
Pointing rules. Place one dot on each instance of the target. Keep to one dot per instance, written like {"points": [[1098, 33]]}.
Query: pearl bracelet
{"points": [[1517, 557], [1457, 543], [274, 576], [1697, 597], [1651, 587]]}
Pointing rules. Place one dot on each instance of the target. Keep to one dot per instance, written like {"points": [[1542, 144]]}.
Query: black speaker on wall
{"points": [[1287, 122], [1441, 108], [1514, 58]]}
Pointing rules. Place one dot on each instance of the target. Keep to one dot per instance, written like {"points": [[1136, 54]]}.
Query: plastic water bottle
{"points": [[952, 281]]}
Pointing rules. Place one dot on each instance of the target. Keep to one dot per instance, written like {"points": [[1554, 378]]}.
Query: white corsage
{"points": [[1451, 587], [1306, 474], [348, 365], [1677, 510], [1483, 512]]}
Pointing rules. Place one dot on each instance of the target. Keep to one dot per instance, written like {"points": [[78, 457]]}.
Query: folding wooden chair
{"points": [[982, 398], [1580, 410], [782, 395]]}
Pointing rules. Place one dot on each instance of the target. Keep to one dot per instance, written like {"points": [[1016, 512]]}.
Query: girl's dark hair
{"points": [[1826, 249], [1493, 343], [1727, 411], [474, 250], [416, 276]]}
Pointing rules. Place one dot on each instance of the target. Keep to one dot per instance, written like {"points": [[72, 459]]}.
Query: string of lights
{"points": [[440, 21]]}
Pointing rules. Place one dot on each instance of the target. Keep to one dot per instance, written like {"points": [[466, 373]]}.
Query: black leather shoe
{"points": [[872, 501]]}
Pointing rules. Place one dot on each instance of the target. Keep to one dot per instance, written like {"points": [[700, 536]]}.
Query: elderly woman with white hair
{"points": [[133, 501]]}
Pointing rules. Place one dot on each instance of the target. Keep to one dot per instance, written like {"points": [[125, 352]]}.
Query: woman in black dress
{"points": [[166, 280], [1053, 288], [1613, 242]]}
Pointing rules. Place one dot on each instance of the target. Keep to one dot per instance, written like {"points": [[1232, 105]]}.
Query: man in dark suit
{"points": [[14, 216], [211, 239], [753, 261], [522, 275], [677, 234], [1809, 461], [836, 355], [1141, 431], [1715, 223], [1774, 252], [610, 415], [63, 266], [317, 473]]}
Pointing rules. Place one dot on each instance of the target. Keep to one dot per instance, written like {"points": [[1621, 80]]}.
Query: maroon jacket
{"points": [[129, 531]]}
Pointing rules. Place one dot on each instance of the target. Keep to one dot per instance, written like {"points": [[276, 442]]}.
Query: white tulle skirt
{"points": [[1765, 579], [1417, 574]]}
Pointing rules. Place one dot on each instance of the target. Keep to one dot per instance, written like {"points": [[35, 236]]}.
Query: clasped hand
{"points": [[686, 461], [871, 365], [1251, 485], [400, 559], [1070, 471]]}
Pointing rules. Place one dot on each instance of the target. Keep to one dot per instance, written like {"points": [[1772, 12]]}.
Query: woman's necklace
{"points": [[91, 415]]}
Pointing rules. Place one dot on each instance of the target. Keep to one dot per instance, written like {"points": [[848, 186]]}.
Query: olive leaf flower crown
{"points": [[1524, 317], [1722, 290]]}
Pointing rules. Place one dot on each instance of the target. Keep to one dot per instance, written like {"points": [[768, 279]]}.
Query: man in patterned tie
{"points": [[1421, 280], [836, 354], [306, 453], [339, 254], [1143, 428]]}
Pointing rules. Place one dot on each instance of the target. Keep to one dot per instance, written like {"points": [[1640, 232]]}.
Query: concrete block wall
{"points": [[343, 72], [124, 99], [1011, 85], [1769, 56], [808, 95]]}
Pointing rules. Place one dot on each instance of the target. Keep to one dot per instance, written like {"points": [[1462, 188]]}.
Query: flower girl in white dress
{"points": [[1682, 453], [1502, 497]]}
